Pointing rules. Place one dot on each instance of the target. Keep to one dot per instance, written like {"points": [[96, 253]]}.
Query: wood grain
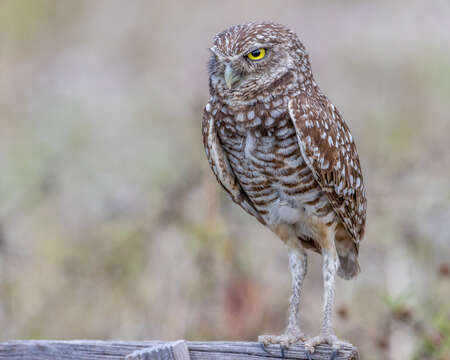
{"points": [[176, 350], [198, 350]]}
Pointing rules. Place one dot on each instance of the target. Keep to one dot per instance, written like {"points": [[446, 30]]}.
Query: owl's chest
{"points": [[263, 115], [260, 140], [266, 159], [264, 147]]}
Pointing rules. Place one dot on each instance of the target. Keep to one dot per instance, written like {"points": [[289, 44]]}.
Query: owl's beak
{"points": [[230, 76]]}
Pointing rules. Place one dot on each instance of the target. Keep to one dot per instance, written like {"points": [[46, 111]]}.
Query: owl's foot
{"points": [[330, 339], [291, 336]]}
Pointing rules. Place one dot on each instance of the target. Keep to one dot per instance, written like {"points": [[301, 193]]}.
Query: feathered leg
{"points": [[298, 263], [292, 334], [329, 268]]}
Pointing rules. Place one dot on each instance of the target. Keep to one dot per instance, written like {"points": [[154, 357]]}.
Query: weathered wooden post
{"points": [[161, 350]]}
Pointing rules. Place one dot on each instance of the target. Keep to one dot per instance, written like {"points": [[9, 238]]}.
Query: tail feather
{"points": [[347, 250], [348, 266]]}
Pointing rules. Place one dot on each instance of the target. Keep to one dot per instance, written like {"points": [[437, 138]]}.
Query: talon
{"points": [[263, 347], [282, 348], [330, 339], [334, 354]]}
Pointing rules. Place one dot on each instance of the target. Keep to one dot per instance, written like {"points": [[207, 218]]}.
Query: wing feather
{"points": [[330, 152]]}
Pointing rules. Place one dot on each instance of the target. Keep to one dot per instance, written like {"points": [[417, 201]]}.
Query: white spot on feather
{"points": [[269, 121], [275, 113], [277, 102], [330, 141], [257, 121], [240, 117]]}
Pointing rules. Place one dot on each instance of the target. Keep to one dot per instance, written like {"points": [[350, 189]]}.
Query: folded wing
{"points": [[328, 148]]}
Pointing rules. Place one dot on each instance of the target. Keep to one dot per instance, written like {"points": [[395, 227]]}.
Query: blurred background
{"points": [[112, 226]]}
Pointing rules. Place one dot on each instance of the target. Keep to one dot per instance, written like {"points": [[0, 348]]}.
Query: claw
{"points": [[263, 347], [282, 348], [332, 340], [334, 354]]}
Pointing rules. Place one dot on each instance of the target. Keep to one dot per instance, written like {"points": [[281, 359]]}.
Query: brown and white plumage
{"points": [[327, 146], [284, 154]]}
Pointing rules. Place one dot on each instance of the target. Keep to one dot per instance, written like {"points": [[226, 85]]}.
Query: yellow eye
{"points": [[257, 54]]}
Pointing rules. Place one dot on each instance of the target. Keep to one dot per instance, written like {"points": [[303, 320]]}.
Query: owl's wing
{"points": [[329, 151], [218, 161]]}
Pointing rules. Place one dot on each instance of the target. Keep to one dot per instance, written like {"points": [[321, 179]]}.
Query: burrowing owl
{"points": [[282, 151]]}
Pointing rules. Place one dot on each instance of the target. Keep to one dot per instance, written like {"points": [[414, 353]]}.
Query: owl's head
{"points": [[249, 57]]}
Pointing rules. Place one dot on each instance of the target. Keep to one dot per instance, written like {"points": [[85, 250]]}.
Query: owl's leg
{"points": [[329, 269], [292, 334], [298, 265]]}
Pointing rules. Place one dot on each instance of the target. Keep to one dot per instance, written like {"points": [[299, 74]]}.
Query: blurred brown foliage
{"points": [[111, 224]]}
